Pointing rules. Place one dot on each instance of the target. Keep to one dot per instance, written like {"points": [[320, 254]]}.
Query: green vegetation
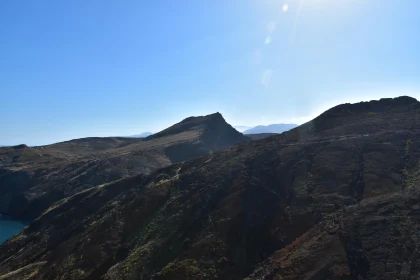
{"points": [[187, 269], [411, 179], [136, 261]]}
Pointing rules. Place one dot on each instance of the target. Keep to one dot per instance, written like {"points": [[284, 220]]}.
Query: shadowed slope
{"points": [[376, 239], [274, 206], [32, 178]]}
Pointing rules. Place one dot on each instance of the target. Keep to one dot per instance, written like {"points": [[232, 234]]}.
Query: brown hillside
{"points": [[33, 178], [334, 199]]}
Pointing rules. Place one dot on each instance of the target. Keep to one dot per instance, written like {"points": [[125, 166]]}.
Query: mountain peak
{"points": [[401, 100], [193, 124], [381, 105], [213, 116], [212, 131], [362, 118]]}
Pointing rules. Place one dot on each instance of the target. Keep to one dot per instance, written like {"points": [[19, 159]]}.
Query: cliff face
{"points": [[376, 239], [32, 179], [336, 198]]}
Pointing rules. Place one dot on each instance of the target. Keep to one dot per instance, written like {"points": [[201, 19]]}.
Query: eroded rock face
{"points": [[340, 203], [376, 239]]}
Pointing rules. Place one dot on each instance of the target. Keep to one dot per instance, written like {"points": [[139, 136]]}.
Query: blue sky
{"points": [[71, 69]]}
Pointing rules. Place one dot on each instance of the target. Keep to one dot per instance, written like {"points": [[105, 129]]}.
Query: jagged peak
{"points": [[216, 115], [193, 123]]}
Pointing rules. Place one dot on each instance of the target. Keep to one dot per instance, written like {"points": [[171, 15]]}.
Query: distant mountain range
{"points": [[272, 128], [242, 128], [141, 135]]}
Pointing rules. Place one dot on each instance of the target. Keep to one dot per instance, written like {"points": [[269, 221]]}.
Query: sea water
{"points": [[9, 227]]}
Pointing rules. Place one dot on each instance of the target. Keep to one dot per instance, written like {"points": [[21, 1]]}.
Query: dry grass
{"points": [[23, 273]]}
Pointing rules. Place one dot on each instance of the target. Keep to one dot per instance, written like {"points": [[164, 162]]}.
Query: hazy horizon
{"points": [[302, 121], [101, 68]]}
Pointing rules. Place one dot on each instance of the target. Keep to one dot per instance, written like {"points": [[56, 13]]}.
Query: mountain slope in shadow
{"points": [[336, 198], [33, 178]]}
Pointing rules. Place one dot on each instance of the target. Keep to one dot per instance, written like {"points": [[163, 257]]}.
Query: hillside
{"points": [[335, 198], [260, 136], [376, 239], [33, 178]]}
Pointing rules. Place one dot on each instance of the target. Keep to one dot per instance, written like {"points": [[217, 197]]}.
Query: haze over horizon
{"points": [[101, 68]]}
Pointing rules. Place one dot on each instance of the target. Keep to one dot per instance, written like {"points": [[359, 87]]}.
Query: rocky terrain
{"points": [[34, 178], [336, 198]]}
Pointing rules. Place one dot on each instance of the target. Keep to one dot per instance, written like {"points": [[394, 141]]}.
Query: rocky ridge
{"points": [[34, 178]]}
